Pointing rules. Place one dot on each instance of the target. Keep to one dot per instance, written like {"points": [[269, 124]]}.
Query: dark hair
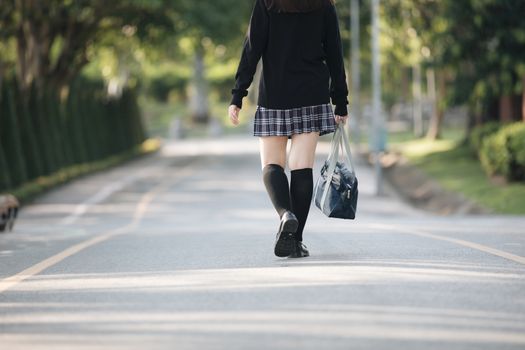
{"points": [[295, 5]]}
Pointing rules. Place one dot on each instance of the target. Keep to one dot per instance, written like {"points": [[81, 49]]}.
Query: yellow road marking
{"points": [[140, 210], [472, 245]]}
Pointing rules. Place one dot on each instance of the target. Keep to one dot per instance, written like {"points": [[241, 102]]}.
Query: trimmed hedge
{"points": [[503, 152], [41, 135], [494, 155], [516, 145], [480, 133]]}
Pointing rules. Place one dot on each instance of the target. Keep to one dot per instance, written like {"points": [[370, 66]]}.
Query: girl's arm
{"points": [[254, 45], [334, 52]]}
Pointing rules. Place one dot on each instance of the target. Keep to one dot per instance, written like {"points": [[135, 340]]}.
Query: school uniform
{"points": [[302, 70]]}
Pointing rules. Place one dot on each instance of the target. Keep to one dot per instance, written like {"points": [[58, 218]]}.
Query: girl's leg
{"points": [[273, 162], [273, 150], [301, 162]]}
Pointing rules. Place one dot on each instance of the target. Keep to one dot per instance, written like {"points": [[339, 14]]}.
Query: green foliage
{"points": [[503, 153], [480, 133], [219, 20], [478, 45], [40, 135], [160, 86], [28, 139], [494, 155], [449, 161], [516, 145], [457, 171], [10, 137], [5, 179], [62, 33]]}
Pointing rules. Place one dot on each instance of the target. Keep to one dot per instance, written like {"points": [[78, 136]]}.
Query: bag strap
{"points": [[334, 144], [334, 155], [347, 149], [340, 139]]}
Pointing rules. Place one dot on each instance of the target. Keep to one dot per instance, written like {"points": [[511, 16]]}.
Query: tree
{"points": [[473, 48], [52, 37], [485, 41], [206, 23]]}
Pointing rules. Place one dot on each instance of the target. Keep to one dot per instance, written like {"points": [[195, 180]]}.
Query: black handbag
{"points": [[336, 188]]}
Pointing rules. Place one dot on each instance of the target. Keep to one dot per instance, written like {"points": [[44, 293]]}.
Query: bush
{"points": [[480, 133], [160, 87], [503, 153], [494, 155], [516, 145]]}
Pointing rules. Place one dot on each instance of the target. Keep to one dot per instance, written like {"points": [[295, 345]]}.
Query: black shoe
{"points": [[285, 241], [300, 250]]}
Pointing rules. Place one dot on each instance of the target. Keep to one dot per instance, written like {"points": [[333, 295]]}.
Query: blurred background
{"points": [[87, 84]]}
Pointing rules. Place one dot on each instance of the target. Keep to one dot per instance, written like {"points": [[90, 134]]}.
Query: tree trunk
{"points": [[523, 100], [434, 130], [405, 84], [35, 37], [1, 76], [417, 110], [199, 95], [505, 108], [33, 46]]}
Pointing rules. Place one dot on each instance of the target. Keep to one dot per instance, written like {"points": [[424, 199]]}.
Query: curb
{"points": [[422, 191]]}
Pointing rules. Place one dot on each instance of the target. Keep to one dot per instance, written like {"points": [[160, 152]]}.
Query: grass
{"points": [[30, 190], [450, 163]]}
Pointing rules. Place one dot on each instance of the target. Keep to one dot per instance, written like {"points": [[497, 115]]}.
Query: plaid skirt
{"points": [[285, 122]]}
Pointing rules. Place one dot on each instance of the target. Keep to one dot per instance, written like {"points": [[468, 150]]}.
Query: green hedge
{"points": [[40, 134], [480, 133], [160, 87], [503, 152], [516, 145]]}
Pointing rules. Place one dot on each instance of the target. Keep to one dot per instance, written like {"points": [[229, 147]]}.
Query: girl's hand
{"points": [[233, 111], [340, 118]]}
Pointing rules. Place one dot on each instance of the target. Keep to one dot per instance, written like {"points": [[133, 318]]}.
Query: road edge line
{"points": [[468, 244], [140, 209]]}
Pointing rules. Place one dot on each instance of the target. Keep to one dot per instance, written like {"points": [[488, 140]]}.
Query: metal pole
{"points": [[378, 136], [356, 74]]}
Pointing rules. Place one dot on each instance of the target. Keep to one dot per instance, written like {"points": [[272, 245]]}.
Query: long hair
{"points": [[295, 5]]}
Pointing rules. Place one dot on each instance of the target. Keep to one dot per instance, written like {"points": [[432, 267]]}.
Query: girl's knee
{"points": [[301, 165], [266, 162]]}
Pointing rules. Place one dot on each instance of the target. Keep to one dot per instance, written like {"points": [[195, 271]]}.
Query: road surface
{"points": [[175, 251]]}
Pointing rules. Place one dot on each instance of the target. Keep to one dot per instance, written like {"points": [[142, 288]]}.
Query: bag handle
{"points": [[339, 139], [347, 149], [334, 145], [330, 160]]}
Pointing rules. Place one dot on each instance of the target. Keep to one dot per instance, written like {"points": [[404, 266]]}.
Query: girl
{"points": [[300, 45]]}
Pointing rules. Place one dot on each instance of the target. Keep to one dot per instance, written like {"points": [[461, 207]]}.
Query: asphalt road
{"points": [[175, 251]]}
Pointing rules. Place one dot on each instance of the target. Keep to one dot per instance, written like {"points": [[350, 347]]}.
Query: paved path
{"points": [[174, 251]]}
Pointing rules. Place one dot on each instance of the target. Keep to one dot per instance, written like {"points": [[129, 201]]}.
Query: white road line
{"points": [[472, 245], [140, 210], [100, 196]]}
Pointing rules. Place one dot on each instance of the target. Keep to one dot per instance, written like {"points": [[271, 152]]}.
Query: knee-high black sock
{"points": [[301, 190], [277, 187]]}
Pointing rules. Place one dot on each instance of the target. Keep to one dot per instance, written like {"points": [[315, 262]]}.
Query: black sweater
{"points": [[302, 59]]}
